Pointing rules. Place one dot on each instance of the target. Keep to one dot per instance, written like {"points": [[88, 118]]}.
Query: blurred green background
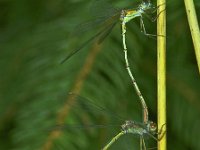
{"points": [[36, 35]]}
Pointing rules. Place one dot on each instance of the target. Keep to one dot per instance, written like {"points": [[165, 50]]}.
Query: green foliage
{"points": [[36, 35]]}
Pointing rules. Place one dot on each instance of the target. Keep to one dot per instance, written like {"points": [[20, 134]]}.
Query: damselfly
{"points": [[145, 8], [82, 105]]}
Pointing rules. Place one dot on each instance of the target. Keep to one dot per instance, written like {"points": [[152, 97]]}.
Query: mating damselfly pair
{"points": [[144, 9]]}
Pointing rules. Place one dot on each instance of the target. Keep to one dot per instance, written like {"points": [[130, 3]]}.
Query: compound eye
{"points": [[153, 127]]}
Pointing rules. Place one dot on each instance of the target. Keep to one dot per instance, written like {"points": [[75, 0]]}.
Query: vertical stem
{"points": [[194, 28], [161, 66]]}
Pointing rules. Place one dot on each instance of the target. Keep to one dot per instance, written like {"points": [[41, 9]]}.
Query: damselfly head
{"points": [[151, 126]]}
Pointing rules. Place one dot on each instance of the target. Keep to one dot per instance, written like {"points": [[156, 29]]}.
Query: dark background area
{"points": [[35, 36]]}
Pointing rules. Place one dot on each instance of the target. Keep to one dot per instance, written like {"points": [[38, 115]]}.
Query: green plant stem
{"points": [[161, 73], [194, 28]]}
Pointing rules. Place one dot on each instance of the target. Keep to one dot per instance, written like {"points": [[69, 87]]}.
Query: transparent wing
{"points": [[105, 16], [99, 36], [88, 25], [84, 119], [108, 30], [71, 53], [88, 115], [101, 10]]}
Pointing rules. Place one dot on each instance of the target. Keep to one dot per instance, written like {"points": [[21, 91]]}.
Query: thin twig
{"points": [[194, 28], [161, 66]]}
